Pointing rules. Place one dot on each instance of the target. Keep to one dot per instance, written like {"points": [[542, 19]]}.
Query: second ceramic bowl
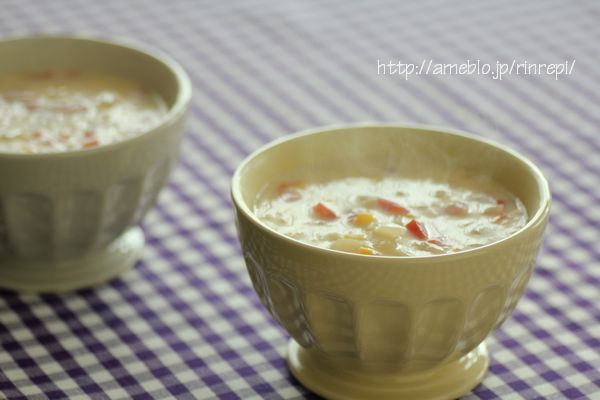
{"points": [[69, 220]]}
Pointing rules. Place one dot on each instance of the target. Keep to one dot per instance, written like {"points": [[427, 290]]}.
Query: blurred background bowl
{"points": [[388, 327], [69, 219]]}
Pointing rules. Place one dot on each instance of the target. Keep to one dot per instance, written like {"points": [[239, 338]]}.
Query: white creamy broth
{"points": [[393, 215], [62, 110]]}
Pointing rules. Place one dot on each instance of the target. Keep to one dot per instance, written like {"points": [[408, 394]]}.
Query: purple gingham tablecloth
{"points": [[186, 322]]}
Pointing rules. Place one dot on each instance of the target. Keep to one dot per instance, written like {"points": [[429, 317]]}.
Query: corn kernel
{"points": [[357, 236], [366, 250], [363, 219]]}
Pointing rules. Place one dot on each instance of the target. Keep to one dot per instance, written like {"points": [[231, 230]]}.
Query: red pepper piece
{"points": [[323, 212], [417, 229], [436, 242], [392, 207], [285, 186]]}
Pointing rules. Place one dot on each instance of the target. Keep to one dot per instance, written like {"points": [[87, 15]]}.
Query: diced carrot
{"points": [[90, 144], [392, 207], [323, 212], [417, 229], [285, 186], [361, 219], [287, 190]]}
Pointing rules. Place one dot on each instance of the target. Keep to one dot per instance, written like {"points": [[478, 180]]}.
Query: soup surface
{"points": [[53, 111], [394, 215]]}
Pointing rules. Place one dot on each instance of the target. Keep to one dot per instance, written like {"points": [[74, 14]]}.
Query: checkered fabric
{"points": [[186, 322]]}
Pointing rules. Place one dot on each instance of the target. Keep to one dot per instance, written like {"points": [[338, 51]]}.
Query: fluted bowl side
{"points": [[389, 313], [60, 205]]}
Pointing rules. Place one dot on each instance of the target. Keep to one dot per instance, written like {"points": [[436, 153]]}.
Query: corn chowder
{"points": [[53, 111], [394, 215]]}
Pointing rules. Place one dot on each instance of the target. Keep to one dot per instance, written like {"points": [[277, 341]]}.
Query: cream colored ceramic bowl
{"points": [[373, 327], [69, 220]]}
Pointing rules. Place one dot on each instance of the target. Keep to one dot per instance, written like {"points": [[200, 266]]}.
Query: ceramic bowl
{"points": [[375, 327], [69, 219]]}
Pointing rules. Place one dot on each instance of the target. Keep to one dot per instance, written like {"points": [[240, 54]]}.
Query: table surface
{"points": [[186, 322]]}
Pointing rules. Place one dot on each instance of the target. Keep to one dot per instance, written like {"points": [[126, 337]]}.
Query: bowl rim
{"points": [[538, 218], [179, 107]]}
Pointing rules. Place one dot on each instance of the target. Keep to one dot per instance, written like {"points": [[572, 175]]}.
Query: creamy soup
{"points": [[52, 111], [394, 215]]}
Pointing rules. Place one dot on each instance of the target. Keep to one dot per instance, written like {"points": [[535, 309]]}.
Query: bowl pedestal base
{"points": [[448, 381], [88, 270]]}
